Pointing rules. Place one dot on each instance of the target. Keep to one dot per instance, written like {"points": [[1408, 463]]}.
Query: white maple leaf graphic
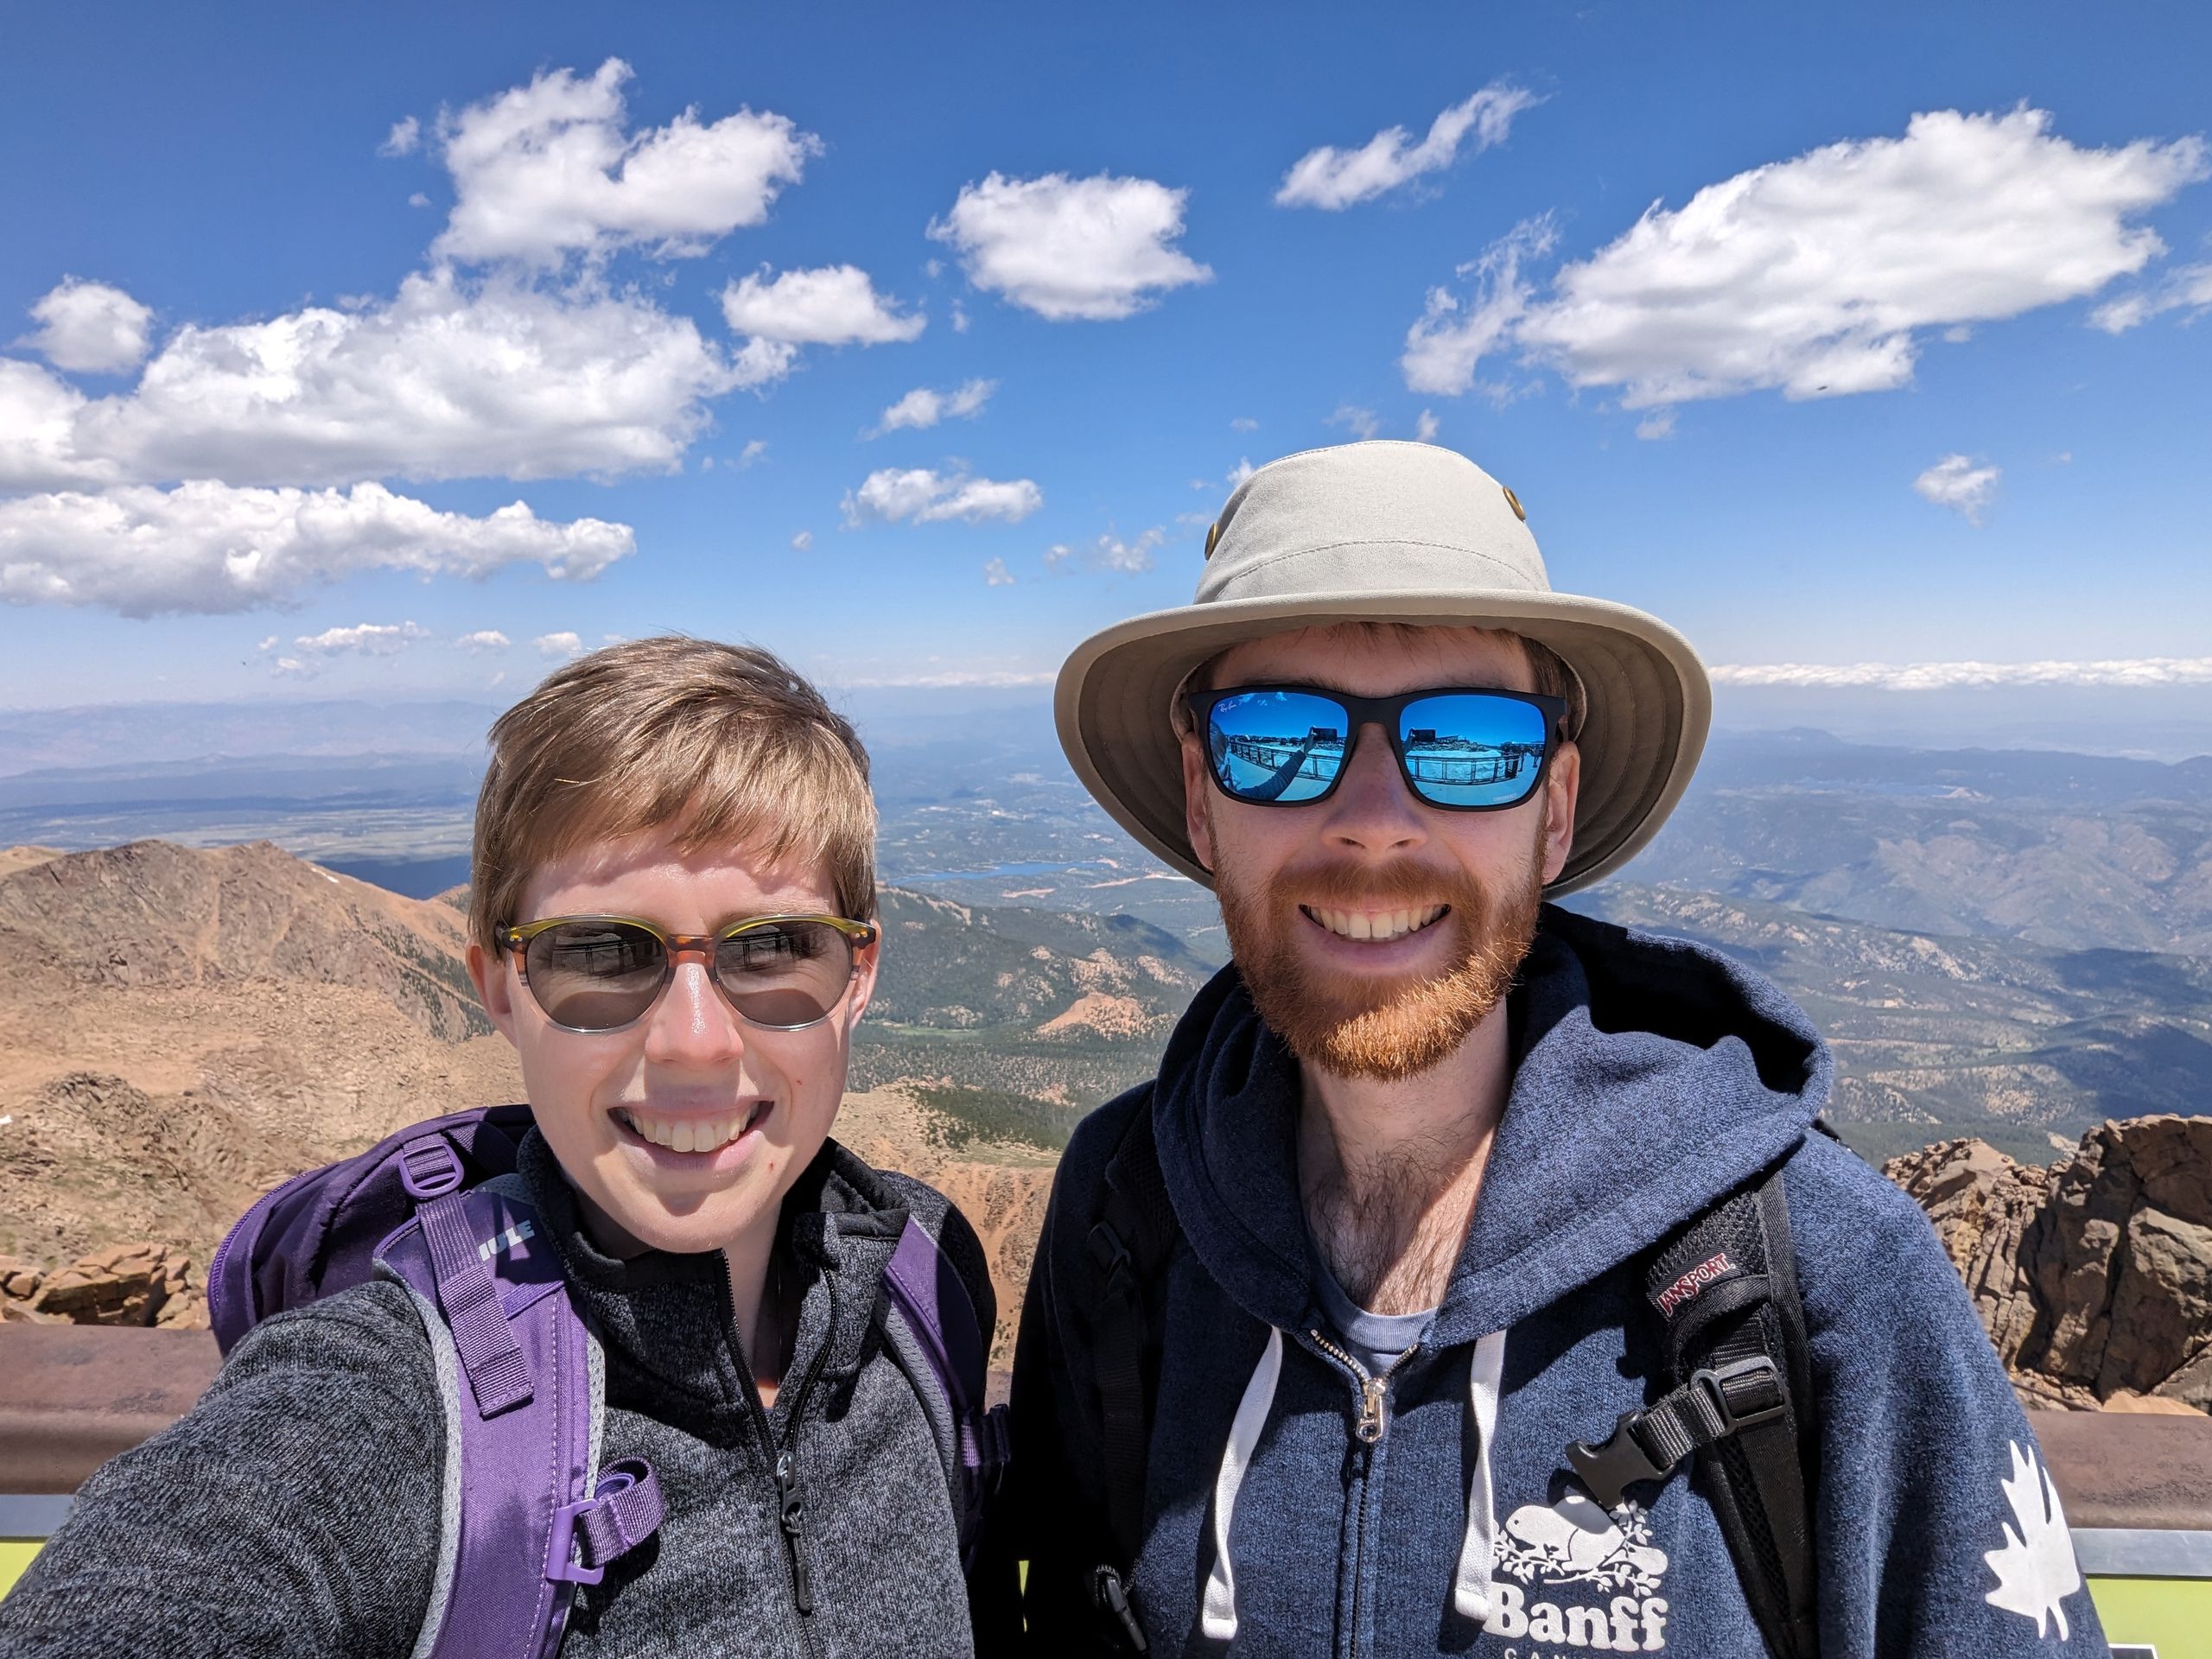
{"points": [[2035, 1570]]}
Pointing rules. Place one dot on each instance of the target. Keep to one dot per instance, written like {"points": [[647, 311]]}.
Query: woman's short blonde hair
{"points": [[727, 743]]}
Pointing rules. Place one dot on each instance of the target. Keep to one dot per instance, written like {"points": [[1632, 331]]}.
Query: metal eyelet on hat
{"points": [[1511, 500], [1213, 534]]}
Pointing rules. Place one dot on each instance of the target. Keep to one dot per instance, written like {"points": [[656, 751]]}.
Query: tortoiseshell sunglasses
{"points": [[602, 973]]}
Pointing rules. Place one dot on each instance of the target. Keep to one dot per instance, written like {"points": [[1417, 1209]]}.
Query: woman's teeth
{"points": [[1377, 925], [694, 1134]]}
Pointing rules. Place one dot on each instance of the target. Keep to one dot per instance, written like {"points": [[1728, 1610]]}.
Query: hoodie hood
{"points": [[1650, 1076]]}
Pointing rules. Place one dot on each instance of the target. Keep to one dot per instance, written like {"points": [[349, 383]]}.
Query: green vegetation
{"points": [[956, 1118]]}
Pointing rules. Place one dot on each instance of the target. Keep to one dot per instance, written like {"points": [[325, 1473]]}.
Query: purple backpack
{"points": [[527, 1514]]}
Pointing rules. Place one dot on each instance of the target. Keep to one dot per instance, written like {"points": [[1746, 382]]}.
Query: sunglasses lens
{"points": [[785, 974], [595, 975], [1468, 748], [1282, 747]]}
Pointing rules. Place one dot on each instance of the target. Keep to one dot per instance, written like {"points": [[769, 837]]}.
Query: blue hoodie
{"points": [[1651, 1077]]}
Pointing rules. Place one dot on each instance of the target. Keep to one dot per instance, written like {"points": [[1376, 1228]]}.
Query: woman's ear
{"points": [[494, 990], [866, 961]]}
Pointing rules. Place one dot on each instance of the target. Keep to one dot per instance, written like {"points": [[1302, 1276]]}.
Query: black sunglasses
{"points": [[600, 973], [1467, 749]]}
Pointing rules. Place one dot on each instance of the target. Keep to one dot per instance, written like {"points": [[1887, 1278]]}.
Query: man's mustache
{"points": [[1386, 887]]}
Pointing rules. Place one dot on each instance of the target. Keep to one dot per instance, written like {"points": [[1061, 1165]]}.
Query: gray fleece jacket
{"points": [[294, 1512]]}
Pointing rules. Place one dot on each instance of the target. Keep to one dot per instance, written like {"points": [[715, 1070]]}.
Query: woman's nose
{"points": [[692, 1025]]}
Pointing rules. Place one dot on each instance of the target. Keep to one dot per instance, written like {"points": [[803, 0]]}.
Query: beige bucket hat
{"points": [[1388, 532]]}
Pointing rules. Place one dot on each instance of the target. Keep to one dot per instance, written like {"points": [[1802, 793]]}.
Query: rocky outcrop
{"points": [[2093, 1277], [130, 1284]]}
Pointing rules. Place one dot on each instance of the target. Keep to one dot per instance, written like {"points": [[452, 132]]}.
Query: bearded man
{"points": [[1468, 1281]]}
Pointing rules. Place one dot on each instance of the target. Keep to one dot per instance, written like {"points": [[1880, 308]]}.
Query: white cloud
{"points": [[1243, 424], [1108, 553], [924, 407], [1958, 483], [567, 643], [835, 305], [403, 139], [2186, 288], [995, 575], [363, 639], [1095, 248], [483, 640], [1360, 422], [206, 547], [546, 170], [1816, 276], [937, 679], [1453, 335], [1242, 470], [1659, 424], [959, 318], [447, 380], [1425, 427], [2139, 671], [1335, 179], [927, 497], [418, 200], [754, 450], [89, 328], [801, 542]]}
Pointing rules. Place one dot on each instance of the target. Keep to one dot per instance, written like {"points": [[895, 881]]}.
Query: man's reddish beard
{"points": [[1387, 1029]]}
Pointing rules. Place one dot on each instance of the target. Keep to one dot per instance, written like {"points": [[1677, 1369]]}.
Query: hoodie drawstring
{"points": [[1470, 1584], [1218, 1617]]}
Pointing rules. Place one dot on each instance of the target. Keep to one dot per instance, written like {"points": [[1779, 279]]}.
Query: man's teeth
{"points": [[692, 1134], [1380, 925]]}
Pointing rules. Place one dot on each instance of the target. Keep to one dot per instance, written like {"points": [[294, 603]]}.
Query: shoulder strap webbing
{"points": [[1727, 1287], [947, 1350], [1130, 1239]]}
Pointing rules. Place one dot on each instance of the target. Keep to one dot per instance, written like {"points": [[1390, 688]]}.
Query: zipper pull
{"points": [[1373, 1395], [793, 1493]]}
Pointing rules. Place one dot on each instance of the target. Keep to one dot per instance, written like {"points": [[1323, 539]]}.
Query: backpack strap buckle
{"points": [[429, 1168], [1604, 1469], [623, 1511], [1739, 1396]]}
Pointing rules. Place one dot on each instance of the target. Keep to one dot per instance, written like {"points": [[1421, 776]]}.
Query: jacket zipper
{"points": [[782, 1461], [1368, 1429]]}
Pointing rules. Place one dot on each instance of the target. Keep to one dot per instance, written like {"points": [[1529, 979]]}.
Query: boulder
{"points": [[127, 1284], [2093, 1278]]}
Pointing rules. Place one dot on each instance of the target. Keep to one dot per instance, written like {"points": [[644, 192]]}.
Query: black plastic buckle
{"points": [[1604, 1469], [1107, 1253], [1713, 1387]]}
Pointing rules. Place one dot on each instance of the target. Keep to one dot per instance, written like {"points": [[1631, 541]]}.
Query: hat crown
{"points": [[1377, 516]]}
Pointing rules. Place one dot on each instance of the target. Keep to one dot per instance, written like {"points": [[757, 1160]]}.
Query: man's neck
{"points": [[1389, 1170]]}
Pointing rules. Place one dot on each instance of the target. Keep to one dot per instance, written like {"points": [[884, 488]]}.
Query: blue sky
{"points": [[255, 446]]}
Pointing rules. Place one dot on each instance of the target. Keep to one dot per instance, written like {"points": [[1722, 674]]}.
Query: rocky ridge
{"points": [[2090, 1275]]}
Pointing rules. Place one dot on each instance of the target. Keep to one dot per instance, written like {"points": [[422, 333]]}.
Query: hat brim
{"points": [[1650, 702]]}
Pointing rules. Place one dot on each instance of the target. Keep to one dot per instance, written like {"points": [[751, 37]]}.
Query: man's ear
{"points": [[494, 990], [1561, 793], [1198, 822]]}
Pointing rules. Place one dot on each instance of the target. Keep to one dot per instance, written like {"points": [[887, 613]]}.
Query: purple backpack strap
{"points": [[526, 1515], [938, 1317]]}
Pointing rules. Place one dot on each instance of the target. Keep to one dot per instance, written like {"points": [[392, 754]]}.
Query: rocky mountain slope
{"points": [[2093, 1277]]}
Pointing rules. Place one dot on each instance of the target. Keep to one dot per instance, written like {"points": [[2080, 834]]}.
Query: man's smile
{"points": [[1381, 926]]}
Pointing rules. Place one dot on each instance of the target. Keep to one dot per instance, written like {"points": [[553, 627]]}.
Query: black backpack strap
{"points": [[1727, 1286], [1130, 1239]]}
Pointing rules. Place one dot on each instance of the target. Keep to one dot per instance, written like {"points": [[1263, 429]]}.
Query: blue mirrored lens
{"points": [[1469, 749], [1276, 745]]}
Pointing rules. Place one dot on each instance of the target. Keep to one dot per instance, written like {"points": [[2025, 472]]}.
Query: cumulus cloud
{"points": [[1242, 470], [1243, 424], [837, 305], [484, 640], [1658, 424], [995, 575], [1455, 334], [404, 138], [89, 328], [1425, 427], [1096, 248], [1360, 422], [1336, 179], [543, 171], [1818, 275], [363, 639], [802, 541], [447, 380], [1964, 485], [2139, 672], [206, 547], [566, 644], [2187, 287], [890, 495], [924, 407], [1108, 553]]}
